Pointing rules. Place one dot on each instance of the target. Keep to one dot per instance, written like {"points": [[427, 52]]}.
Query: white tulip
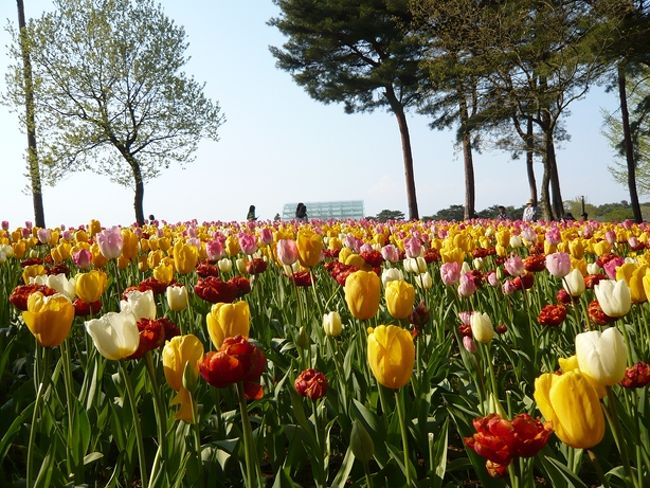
{"points": [[115, 335], [602, 356]]}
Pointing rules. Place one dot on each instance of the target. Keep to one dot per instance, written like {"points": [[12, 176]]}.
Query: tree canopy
{"points": [[110, 93]]}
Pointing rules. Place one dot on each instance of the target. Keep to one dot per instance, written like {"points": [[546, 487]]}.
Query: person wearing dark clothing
{"points": [[250, 216], [502, 213], [301, 212]]}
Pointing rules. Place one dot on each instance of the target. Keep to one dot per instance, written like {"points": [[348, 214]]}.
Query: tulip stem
{"points": [[161, 418], [42, 383], [252, 467], [399, 401], [67, 381], [610, 412], [597, 467], [196, 431], [136, 425]]}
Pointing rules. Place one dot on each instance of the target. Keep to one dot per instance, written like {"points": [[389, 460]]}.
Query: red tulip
{"points": [[213, 290], [636, 376], [311, 384], [552, 315], [236, 360], [19, 295]]}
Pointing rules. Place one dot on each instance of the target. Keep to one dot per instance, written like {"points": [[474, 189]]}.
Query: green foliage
{"points": [[638, 91], [360, 54], [111, 95], [386, 214]]}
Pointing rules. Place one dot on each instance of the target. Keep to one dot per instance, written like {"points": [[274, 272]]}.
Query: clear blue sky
{"points": [[278, 145]]}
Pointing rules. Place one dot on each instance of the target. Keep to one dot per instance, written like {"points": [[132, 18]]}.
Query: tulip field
{"points": [[326, 353]]}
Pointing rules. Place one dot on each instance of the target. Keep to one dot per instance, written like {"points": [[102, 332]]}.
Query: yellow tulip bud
{"points": [[130, 244], [310, 246], [180, 358], [400, 298], [391, 355], [362, 293], [228, 320], [185, 257], [164, 272], [90, 286]]}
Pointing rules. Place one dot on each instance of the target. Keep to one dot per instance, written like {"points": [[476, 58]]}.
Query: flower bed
{"points": [[325, 354]]}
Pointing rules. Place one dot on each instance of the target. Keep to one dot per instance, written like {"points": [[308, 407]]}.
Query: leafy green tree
{"points": [[637, 90], [110, 93], [386, 215], [629, 51], [361, 54], [453, 212]]}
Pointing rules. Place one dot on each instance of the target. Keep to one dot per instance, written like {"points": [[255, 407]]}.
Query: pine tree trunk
{"points": [[467, 156], [398, 110], [530, 170], [556, 195], [32, 154], [629, 146]]}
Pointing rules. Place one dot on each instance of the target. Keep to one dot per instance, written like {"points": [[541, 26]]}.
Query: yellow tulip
{"points": [[90, 286], [309, 246], [362, 293], [99, 260], [32, 271], [232, 245], [637, 288], [49, 318], [185, 257], [61, 252], [130, 244], [94, 227], [81, 236], [20, 248], [400, 298], [572, 406], [576, 248], [179, 354], [164, 272], [602, 247], [391, 355], [154, 258], [449, 255], [228, 320]]}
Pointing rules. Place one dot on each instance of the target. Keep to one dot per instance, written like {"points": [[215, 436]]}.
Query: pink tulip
{"points": [[553, 236], [412, 247], [365, 248], [610, 236], [450, 273], [390, 253], [287, 251], [514, 266], [214, 249], [610, 266], [44, 235], [493, 279], [248, 243], [266, 235], [469, 344], [352, 242], [110, 242], [558, 264], [83, 258], [466, 286], [465, 317]]}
